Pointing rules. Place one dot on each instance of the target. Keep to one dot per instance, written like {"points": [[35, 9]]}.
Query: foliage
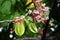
{"points": [[10, 9]]}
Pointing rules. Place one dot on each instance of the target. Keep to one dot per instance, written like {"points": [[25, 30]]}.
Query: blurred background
{"points": [[9, 9]]}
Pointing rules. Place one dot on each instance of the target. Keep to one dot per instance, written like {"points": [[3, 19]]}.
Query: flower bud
{"points": [[45, 8], [21, 17], [36, 11], [30, 11]]}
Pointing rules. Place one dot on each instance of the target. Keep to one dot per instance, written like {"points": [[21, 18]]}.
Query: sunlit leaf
{"points": [[6, 6]]}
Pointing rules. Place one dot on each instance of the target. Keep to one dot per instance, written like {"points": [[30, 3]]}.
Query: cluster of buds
{"points": [[18, 19], [39, 15], [19, 27]]}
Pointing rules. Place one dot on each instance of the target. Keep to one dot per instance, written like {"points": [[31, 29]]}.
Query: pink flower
{"points": [[45, 8], [41, 10], [36, 11], [41, 14], [38, 0], [21, 17], [37, 17]]}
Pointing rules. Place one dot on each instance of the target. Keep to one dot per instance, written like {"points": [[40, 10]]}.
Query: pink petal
{"points": [[36, 11], [21, 17], [41, 10], [45, 8], [37, 17], [37, 1]]}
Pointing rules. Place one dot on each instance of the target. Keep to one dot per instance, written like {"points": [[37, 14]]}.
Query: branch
{"points": [[6, 21], [34, 3], [10, 20]]}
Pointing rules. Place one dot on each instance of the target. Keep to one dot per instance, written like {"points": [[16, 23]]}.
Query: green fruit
{"points": [[32, 27], [16, 30], [19, 29]]}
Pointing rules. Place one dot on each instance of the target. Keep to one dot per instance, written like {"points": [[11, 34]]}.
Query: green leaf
{"points": [[6, 6], [39, 25], [47, 13], [1, 2], [13, 2], [29, 18], [52, 20], [16, 14], [18, 0]]}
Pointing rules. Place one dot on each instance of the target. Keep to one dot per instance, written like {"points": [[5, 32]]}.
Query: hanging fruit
{"points": [[32, 27], [19, 26]]}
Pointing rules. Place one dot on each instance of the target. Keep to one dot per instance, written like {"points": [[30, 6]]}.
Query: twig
{"points": [[10, 20], [34, 3], [6, 21]]}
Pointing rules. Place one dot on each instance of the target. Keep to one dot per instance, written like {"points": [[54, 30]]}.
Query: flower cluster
{"points": [[18, 19], [39, 15]]}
